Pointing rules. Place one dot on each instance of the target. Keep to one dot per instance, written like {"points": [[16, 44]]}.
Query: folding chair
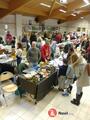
{"points": [[6, 85]]}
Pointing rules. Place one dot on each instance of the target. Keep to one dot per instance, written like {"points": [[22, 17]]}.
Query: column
{"points": [[18, 25]]}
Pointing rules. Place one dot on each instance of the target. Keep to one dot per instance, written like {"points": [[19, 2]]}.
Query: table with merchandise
{"points": [[38, 81]]}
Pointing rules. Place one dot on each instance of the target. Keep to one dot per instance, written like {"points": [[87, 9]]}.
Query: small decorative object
{"points": [[59, 22], [83, 29], [63, 1], [36, 19], [78, 29], [30, 22]]}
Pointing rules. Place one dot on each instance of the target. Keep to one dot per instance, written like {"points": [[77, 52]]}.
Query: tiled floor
{"points": [[22, 109]]}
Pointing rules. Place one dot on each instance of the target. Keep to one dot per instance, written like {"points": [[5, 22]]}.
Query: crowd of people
{"points": [[45, 47]]}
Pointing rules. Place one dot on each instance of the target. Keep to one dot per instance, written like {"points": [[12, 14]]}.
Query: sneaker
{"points": [[65, 93]]}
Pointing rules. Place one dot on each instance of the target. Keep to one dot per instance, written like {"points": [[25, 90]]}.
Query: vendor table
{"points": [[8, 60], [2, 51], [39, 89]]}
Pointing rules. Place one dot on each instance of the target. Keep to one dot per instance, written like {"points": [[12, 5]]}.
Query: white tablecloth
{"points": [[6, 60]]}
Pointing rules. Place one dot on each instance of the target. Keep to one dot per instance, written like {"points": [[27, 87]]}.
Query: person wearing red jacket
{"points": [[45, 51], [58, 37]]}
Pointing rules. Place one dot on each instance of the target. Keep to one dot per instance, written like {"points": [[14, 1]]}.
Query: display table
{"points": [[2, 51], [39, 89], [7, 60]]}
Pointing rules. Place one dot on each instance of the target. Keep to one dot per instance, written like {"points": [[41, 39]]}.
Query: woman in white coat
{"points": [[79, 66]]}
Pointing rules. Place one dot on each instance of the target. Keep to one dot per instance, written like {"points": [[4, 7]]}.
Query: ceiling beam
{"points": [[35, 3], [38, 12], [14, 5], [75, 5], [70, 18], [57, 15], [32, 11], [3, 4], [61, 4], [52, 7]]}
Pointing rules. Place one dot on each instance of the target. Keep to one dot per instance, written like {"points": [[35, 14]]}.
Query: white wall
{"points": [[18, 20], [10, 20], [82, 23], [14, 23]]}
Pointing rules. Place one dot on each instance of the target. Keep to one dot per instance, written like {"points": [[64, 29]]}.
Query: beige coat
{"points": [[81, 73]]}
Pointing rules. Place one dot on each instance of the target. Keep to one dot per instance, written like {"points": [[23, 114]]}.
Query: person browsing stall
{"points": [[45, 51], [19, 53], [33, 54], [79, 66]]}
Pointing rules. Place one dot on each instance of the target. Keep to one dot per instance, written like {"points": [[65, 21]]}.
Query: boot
{"points": [[77, 96], [77, 100], [69, 89]]}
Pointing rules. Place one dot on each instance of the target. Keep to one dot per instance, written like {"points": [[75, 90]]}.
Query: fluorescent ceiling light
{"points": [[82, 17], [43, 4], [85, 5], [62, 10], [86, 1], [73, 14]]}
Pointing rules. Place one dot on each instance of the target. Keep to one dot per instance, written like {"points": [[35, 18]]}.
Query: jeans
{"points": [[79, 90], [18, 60], [33, 64]]}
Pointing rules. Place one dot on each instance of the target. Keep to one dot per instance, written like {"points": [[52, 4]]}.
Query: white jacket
{"points": [[81, 73]]}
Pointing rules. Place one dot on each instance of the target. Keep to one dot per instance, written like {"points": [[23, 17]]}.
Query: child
{"points": [[19, 53], [68, 81], [62, 75]]}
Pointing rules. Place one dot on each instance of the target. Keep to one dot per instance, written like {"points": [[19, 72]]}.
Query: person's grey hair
{"points": [[34, 43]]}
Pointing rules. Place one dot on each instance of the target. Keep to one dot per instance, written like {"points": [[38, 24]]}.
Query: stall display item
{"points": [[40, 74]]}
